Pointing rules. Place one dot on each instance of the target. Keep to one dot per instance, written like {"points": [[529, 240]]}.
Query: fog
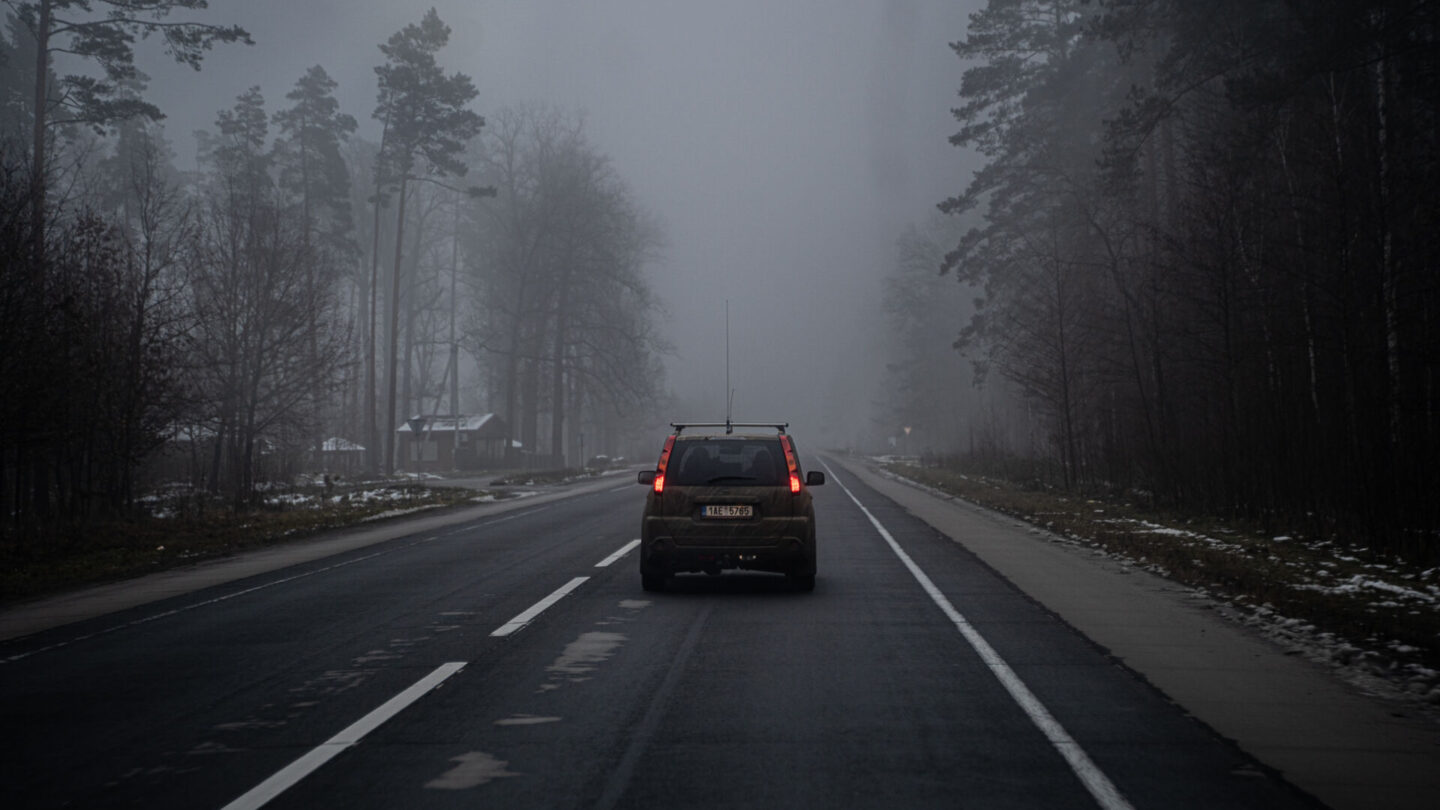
{"points": [[783, 145]]}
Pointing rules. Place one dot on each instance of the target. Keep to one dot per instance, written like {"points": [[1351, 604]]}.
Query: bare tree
{"points": [[562, 306], [267, 328], [96, 354]]}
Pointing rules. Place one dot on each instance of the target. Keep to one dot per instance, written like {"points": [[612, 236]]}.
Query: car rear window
{"points": [[734, 462]]}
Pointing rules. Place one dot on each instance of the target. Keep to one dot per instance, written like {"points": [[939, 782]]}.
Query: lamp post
{"points": [[474, 193]]}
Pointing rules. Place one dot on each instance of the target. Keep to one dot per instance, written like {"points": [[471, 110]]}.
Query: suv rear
{"points": [[727, 500]]}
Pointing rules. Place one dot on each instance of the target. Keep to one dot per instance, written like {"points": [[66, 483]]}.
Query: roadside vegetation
{"points": [[1332, 598], [181, 527], [529, 478], [286, 302], [1184, 268]]}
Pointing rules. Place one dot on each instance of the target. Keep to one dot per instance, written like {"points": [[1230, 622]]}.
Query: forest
{"points": [[1203, 250], [1197, 265], [304, 288]]}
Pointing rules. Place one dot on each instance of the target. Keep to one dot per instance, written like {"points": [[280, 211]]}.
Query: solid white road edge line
{"points": [[229, 596], [625, 549], [287, 777], [193, 606], [1095, 781], [538, 608]]}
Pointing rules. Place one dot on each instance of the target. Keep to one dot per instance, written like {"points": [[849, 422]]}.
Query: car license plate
{"points": [[729, 511]]}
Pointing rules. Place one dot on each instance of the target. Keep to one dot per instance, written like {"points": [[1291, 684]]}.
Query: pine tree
{"points": [[427, 122], [312, 170], [75, 28], [314, 175]]}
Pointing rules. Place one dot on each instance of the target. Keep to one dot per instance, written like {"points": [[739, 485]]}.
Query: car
{"points": [[727, 500]]}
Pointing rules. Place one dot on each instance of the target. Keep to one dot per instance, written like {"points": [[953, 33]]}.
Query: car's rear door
{"points": [[729, 491]]}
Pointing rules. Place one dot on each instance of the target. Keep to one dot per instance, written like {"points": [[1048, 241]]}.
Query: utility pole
{"points": [[454, 346]]}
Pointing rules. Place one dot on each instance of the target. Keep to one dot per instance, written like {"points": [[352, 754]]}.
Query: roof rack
{"points": [[729, 426]]}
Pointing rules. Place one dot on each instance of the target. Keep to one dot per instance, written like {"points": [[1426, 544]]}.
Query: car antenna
{"points": [[729, 392]]}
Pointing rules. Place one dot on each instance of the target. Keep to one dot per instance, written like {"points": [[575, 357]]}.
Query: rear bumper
{"points": [[665, 554], [663, 557]]}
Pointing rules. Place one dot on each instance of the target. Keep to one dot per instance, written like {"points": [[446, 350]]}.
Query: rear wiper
{"points": [[720, 478]]}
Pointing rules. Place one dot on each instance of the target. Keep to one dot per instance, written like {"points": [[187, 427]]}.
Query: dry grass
{"points": [[1384, 610]]}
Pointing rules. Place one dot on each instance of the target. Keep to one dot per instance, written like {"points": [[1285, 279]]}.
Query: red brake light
{"points": [[792, 463], [664, 461]]}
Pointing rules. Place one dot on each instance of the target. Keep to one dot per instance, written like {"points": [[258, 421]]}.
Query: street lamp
{"points": [[474, 193]]}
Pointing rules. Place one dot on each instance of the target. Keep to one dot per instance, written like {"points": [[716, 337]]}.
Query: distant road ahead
{"points": [[514, 661]]}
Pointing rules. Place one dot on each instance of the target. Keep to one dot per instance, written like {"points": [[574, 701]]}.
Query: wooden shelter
{"points": [[445, 443]]}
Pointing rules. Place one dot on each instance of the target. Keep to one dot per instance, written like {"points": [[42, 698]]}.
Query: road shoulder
{"points": [[1347, 749], [50, 612]]}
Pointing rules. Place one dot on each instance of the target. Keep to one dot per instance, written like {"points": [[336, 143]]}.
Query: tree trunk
{"points": [[557, 376], [393, 360], [1389, 292], [512, 385], [512, 367], [408, 399], [372, 437], [213, 485], [317, 395], [372, 443], [37, 159], [532, 350]]}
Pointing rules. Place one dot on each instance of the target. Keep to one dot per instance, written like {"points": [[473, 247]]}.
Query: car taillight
{"points": [[791, 463], [664, 461]]}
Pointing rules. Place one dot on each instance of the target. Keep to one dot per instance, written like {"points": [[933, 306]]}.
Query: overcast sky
{"points": [[782, 143]]}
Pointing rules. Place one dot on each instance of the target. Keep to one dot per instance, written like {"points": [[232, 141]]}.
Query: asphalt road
{"points": [[497, 663]]}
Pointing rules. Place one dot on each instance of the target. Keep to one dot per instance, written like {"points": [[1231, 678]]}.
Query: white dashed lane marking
{"points": [[529, 614], [625, 549]]}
